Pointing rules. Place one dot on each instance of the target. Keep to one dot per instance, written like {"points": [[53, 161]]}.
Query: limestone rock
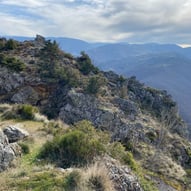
{"points": [[9, 81], [129, 107], [81, 106], [103, 115], [8, 152], [122, 177], [25, 95], [15, 133], [39, 40]]}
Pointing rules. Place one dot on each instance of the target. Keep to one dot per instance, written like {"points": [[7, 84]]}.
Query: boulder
{"points": [[15, 133], [8, 152]]}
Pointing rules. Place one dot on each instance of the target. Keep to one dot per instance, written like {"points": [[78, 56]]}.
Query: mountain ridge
{"points": [[140, 60], [142, 122]]}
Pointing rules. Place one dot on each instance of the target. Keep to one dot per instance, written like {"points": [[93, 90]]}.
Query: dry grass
{"points": [[96, 178], [40, 117], [164, 165]]}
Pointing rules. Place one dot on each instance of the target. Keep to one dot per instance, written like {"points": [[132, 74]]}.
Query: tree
{"points": [[10, 44], [50, 56], [85, 64], [94, 84]]}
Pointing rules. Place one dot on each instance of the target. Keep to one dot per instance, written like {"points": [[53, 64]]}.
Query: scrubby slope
{"points": [[144, 120]]}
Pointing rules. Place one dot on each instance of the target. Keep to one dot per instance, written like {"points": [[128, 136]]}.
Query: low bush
{"points": [[67, 75], [12, 63], [75, 148], [24, 147], [10, 44], [85, 65], [94, 84], [22, 112], [72, 180], [117, 151], [26, 112]]}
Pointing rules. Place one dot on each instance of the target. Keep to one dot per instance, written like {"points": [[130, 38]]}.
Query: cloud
{"points": [[100, 20]]}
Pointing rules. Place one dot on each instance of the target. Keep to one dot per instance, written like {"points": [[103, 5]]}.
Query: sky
{"points": [[133, 21]]}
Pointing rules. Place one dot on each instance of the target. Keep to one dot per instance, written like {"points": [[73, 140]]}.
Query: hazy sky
{"points": [[135, 21]]}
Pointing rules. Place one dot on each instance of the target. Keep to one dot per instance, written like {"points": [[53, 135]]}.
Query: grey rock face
{"points": [[25, 95], [9, 81], [103, 115], [17, 87], [129, 107], [15, 133], [80, 106], [7, 152]]}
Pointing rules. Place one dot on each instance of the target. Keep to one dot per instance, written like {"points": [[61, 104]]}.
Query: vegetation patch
{"points": [[21, 112], [24, 147], [8, 44], [12, 63], [85, 65], [94, 84], [75, 148], [40, 182]]}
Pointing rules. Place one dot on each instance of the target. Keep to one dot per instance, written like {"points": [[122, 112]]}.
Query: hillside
{"points": [[106, 121], [161, 66]]}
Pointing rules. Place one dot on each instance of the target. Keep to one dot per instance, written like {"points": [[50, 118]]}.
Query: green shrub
{"points": [[21, 112], [25, 148], [49, 56], [12, 63], [26, 112], [93, 133], [129, 160], [2, 43], [10, 44], [74, 148], [147, 185], [67, 75], [72, 180], [117, 151], [85, 65], [94, 84], [68, 55]]}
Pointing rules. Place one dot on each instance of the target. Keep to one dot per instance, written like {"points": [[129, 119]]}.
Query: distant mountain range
{"points": [[163, 66]]}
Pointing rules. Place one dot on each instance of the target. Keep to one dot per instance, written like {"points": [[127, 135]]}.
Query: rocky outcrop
{"points": [[9, 81], [15, 133], [158, 104], [106, 116], [122, 117], [25, 95], [129, 107], [39, 40], [122, 177], [8, 152]]}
